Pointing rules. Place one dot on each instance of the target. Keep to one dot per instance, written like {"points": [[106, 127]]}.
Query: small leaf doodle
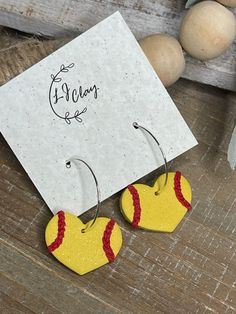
{"points": [[67, 114], [57, 79]]}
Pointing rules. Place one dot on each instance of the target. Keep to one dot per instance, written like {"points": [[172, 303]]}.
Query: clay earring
{"points": [[83, 247], [160, 207]]}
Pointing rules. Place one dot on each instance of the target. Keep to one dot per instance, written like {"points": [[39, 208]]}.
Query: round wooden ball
{"points": [[165, 55], [228, 3], [207, 30]]}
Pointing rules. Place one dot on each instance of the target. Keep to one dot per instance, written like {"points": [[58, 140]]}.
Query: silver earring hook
{"points": [[68, 165], [137, 126]]}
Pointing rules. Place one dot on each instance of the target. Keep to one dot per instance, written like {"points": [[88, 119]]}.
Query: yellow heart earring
{"points": [[160, 207], [83, 247]]}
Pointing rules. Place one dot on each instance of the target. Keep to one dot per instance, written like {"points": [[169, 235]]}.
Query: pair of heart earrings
{"points": [[86, 247]]}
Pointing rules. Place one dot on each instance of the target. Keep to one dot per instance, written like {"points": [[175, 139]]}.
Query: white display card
{"points": [[82, 100]]}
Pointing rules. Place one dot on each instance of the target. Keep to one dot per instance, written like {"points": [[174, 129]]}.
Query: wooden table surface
{"points": [[192, 270]]}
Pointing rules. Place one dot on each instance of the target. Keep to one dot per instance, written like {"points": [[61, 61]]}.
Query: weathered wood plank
{"points": [[71, 17], [192, 270], [36, 281], [18, 53]]}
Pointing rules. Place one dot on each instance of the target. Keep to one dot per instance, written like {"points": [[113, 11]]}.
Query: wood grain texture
{"points": [[192, 270], [70, 17]]}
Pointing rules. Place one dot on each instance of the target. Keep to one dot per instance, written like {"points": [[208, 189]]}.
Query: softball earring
{"points": [[83, 247], [160, 207]]}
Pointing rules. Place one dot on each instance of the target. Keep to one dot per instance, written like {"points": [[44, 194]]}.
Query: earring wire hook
{"points": [[137, 126], [68, 165]]}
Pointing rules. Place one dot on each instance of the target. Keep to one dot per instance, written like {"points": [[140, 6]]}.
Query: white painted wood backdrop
{"points": [[70, 17]]}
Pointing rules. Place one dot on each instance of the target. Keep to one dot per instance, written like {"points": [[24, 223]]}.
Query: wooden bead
{"points": [[165, 55], [207, 30]]}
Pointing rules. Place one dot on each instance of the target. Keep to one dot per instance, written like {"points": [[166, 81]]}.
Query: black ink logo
{"points": [[60, 90]]}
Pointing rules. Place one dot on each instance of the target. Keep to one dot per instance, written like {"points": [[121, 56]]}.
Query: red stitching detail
{"points": [[178, 191], [136, 204], [106, 241], [60, 232]]}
